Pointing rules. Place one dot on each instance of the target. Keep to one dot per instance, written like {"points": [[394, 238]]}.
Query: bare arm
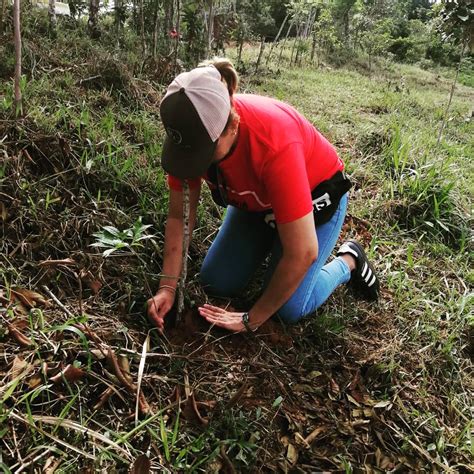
{"points": [[159, 305], [300, 250]]}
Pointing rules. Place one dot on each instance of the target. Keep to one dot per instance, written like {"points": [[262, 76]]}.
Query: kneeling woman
{"points": [[285, 192]]}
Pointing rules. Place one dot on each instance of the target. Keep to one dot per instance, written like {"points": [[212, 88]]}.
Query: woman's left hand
{"points": [[232, 321]]}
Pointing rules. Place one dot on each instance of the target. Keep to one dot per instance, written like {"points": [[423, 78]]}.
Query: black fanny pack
{"points": [[325, 196]]}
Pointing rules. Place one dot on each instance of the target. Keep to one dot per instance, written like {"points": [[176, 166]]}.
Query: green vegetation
{"points": [[354, 387]]}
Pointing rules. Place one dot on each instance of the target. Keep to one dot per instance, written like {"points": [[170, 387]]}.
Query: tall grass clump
{"points": [[422, 189]]}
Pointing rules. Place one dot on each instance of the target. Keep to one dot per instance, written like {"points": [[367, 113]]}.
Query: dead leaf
{"points": [[29, 298], [141, 465], [314, 434], [353, 400], [124, 365], [292, 454], [95, 286], [18, 366], [191, 411], [383, 404], [51, 465], [237, 395], [17, 304], [35, 381], [69, 373], [106, 394], [314, 374], [19, 337]]}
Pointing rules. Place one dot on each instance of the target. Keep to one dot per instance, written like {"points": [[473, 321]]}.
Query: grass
{"points": [[384, 386]]}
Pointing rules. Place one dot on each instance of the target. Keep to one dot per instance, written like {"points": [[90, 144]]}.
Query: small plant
{"points": [[113, 239]]}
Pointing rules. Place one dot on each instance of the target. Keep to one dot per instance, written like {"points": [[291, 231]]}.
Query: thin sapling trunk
{"points": [[18, 106], [186, 236]]}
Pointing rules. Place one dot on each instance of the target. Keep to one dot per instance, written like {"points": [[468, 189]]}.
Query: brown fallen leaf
{"points": [[69, 373], [237, 395], [19, 337], [314, 434], [191, 411], [141, 465], [16, 303], [124, 365], [29, 298], [35, 381], [292, 454], [106, 394], [142, 402], [18, 366]]}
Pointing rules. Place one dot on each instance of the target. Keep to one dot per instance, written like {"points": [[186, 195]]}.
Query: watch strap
{"points": [[246, 322]]}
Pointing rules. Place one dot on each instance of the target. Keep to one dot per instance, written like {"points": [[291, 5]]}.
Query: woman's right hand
{"points": [[158, 307]]}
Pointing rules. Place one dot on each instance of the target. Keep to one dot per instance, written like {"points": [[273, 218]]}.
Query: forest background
{"points": [[87, 384]]}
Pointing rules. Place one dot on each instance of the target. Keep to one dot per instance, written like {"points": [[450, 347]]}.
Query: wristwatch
{"points": [[246, 322]]}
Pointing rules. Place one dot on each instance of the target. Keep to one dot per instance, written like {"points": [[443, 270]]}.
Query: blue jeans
{"points": [[245, 240]]}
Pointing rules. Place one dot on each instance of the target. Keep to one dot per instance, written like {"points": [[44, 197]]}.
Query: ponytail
{"points": [[227, 71]]}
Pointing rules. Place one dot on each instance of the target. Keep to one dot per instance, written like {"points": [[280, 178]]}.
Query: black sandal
{"points": [[363, 280]]}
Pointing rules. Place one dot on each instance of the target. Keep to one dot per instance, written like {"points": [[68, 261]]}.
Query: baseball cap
{"points": [[194, 112]]}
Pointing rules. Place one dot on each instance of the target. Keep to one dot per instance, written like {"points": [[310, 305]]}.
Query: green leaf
{"points": [[111, 230], [108, 252], [277, 402]]}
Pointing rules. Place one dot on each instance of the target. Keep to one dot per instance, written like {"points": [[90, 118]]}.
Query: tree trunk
{"points": [[241, 46], [3, 7], [156, 29], [294, 44], [93, 21], [18, 105], [176, 44], [52, 15], [260, 53], [451, 94], [210, 27], [283, 45], [72, 8], [277, 37], [142, 29], [168, 20], [118, 6], [313, 46]]}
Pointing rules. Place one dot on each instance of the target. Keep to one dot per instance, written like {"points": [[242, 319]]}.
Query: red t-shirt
{"points": [[279, 158]]}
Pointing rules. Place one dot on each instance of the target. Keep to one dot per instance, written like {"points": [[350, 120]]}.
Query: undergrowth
{"points": [[355, 386]]}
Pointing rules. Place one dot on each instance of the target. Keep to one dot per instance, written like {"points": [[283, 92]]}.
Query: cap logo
{"points": [[174, 135]]}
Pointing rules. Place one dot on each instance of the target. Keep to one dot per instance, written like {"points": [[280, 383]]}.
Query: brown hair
{"points": [[231, 79], [227, 71]]}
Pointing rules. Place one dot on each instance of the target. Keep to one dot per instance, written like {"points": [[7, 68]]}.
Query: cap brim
{"points": [[186, 164]]}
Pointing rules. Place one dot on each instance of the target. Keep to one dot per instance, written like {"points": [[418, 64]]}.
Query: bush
{"points": [[421, 189]]}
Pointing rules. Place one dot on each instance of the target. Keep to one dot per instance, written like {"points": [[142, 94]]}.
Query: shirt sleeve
{"points": [[177, 184], [286, 182]]}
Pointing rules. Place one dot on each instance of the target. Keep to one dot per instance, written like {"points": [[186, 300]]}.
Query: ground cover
{"points": [[355, 387]]}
